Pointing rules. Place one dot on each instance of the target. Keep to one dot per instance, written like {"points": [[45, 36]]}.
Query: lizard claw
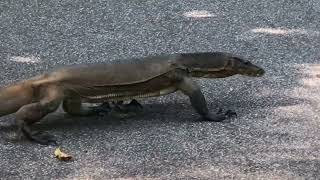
{"points": [[219, 110], [230, 113], [132, 109], [136, 104], [219, 116], [214, 117], [102, 109], [38, 136], [43, 138]]}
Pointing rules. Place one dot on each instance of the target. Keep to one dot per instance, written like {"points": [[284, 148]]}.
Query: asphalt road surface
{"points": [[275, 136]]}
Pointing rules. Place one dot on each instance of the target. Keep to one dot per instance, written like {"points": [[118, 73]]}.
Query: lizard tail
{"points": [[15, 96]]}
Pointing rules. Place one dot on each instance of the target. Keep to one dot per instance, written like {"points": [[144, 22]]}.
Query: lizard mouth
{"points": [[260, 73], [257, 73]]}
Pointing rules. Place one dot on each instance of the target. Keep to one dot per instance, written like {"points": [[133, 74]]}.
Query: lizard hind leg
{"points": [[75, 107], [34, 112], [37, 136]]}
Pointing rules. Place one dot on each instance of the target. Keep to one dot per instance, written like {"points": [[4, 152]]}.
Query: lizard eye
{"points": [[246, 63], [238, 59]]}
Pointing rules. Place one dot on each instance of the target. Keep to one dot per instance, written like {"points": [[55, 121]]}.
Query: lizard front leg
{"points": [[34, 112], [197, 99]]}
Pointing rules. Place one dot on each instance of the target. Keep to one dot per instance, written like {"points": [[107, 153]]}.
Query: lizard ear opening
{"points": [[236, 58], [229, 64], [247, 63]]}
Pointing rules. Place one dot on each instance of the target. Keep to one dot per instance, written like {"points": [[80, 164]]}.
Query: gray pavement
{"points": [[276, 134]]}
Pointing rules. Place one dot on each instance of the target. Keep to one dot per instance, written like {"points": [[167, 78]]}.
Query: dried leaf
{"points": [[61, 155]]}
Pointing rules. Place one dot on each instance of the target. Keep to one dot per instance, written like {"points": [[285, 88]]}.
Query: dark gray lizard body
{"points": [[104, 82]]}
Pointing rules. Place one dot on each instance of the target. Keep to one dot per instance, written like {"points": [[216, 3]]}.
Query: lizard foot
{"points": [[220, 116], [132, 109], [43, 138], [231, 113], [134, 105], [102, 109], [38, 137], [214, 117]]}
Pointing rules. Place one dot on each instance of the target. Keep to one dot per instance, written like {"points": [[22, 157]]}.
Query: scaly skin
{"points": [[33, 99]]}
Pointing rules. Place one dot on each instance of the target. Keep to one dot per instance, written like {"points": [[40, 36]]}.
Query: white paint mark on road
{"points": [[279, 31], [312, 80], [21, 59], [198, 14], [261, 32]]}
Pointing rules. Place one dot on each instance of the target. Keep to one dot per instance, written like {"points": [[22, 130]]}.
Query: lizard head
{"points": [[243, 67], [219, 65]]}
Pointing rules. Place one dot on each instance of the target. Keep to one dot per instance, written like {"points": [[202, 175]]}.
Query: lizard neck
{"points": [[207, 65]]}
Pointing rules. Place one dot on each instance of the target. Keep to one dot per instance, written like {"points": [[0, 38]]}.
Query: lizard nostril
{"points": [[261, 72]]}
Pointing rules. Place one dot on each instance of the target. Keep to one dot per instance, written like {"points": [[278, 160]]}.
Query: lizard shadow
{"points": [[155, 113], [60, 120]]}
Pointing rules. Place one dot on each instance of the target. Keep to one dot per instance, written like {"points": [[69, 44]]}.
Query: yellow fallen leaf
{"points": [[61, 155]]}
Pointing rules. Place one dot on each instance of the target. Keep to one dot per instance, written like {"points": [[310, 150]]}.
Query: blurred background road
{"points": [[276, 134]]}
